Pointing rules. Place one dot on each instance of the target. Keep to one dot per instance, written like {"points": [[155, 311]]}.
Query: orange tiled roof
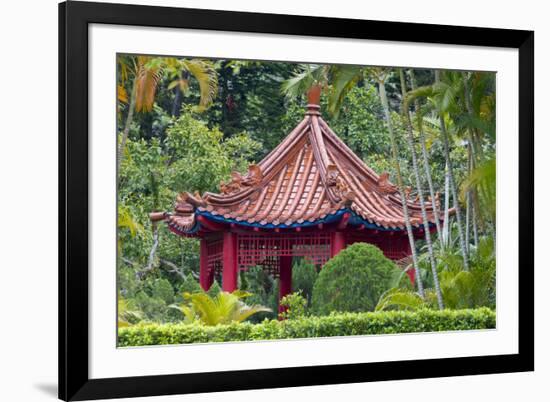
{"points": [[310, 175]]}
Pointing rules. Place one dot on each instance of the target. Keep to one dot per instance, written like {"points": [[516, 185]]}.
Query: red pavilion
{"points": [[310, 197]]}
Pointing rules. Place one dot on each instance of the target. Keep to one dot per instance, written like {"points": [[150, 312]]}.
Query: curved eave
{"points": [[355, 222]]}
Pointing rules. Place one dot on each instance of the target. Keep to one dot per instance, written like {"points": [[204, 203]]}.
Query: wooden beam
{"points": [[209, 225], [344, 221]]}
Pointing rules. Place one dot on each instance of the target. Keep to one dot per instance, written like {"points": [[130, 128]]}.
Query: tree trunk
{"points": [[384, 100], [129, 119], [446, 211], [176, 105], [425, 159], [452, 184], [474, 224], [468, 202], [427, 234]]}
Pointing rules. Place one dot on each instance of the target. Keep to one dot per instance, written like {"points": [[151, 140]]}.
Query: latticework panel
{"points": [[395, 247], [265, 250], [215, 256]]}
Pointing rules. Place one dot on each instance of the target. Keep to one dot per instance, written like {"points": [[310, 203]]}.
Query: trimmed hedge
{"points": [[341, 324]]}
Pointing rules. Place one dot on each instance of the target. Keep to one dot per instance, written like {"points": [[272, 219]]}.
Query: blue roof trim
{"points": [[355, 220]]}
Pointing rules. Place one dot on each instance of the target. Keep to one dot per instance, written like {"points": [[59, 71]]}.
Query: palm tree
{"points": [[146, 72], [336, 81], [380, 75], [223, 308], [427, 234], [425, 159], [479, 122], [445, 93]]}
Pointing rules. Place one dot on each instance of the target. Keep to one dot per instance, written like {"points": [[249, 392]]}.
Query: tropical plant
{"points": [[426, 223], [425, 159], [224, 308], [145, 74], [476, 287], [482, 179], [380, 76], [128, 314], [400, 299]]}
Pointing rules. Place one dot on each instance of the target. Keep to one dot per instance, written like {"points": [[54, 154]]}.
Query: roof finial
{"points": [[313, 99]]}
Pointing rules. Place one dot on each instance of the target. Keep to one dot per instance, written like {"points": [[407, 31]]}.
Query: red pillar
{"points": [[285, 278], [229, 278], [338, 243], [205, 278]]}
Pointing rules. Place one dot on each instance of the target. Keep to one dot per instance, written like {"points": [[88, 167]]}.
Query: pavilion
{"points": [[309, 197]]}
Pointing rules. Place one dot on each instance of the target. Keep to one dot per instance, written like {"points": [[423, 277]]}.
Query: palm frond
{"points": [[122, 95], [126, 220], [343, 79], [305, 77], [205, 73], [400, 299], [147, 78]]}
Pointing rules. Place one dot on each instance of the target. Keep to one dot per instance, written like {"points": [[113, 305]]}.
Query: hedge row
{"points": [[337, 324]]}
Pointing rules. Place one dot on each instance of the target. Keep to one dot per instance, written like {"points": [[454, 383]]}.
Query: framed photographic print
{"points": [[258, 201]]}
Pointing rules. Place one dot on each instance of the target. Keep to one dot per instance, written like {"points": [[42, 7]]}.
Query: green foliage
{"points": [[295, 306], [304, 275], [343, 324], [214, 290], [353, 280], [190, 285], [483, 180], [263, 289], [127, 313], [153, 309], [162, 289], [203, 158], [224, 308], [473, 288], [400, 299]]}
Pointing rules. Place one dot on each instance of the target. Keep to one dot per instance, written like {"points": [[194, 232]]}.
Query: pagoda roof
{"points": [[311, 177]]}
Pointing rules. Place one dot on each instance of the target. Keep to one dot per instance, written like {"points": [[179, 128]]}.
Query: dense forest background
{"points": [[184, 124]]}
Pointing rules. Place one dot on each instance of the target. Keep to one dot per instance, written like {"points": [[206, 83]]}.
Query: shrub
{"points": [[295, 306], [304, 277], [264, 291], [214, 290], [162, 289], [191, 285], [341, 324], [353, 280]]}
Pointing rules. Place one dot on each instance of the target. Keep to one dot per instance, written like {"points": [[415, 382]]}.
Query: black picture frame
{"points": [[74, 18]]}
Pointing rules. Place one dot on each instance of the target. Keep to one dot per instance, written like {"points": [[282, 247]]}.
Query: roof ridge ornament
{"points": [[238, 182], [314, 100], [385, 185]]}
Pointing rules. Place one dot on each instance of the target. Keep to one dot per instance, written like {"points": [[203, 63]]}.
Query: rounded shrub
{"points": [[353, 280]]}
